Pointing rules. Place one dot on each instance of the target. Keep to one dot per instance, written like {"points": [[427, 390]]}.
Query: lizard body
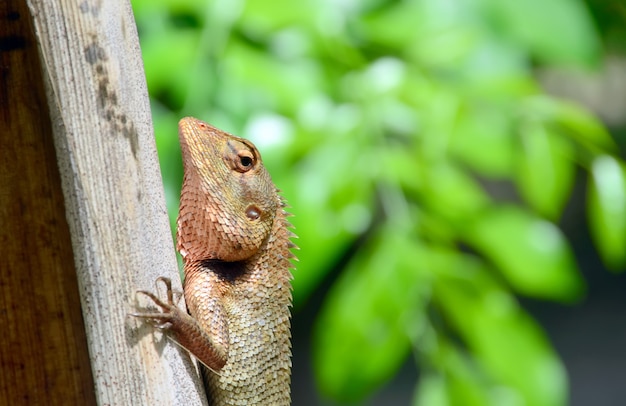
{"points": [[235, 242]]}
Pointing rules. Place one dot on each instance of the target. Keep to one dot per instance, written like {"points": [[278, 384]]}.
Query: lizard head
{"points": [[228, 201]]}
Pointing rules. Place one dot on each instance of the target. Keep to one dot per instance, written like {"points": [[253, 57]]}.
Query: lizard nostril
{"points": [[253, 212]]}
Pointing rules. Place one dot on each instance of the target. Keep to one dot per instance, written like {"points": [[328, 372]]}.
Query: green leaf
{"points": [[274, 83], [482, 139], [167, 59], [265, 17], [507, 343], [442, 40], [555, 31], [571, 120], [584, 127], [606, 208], [456, 380], [361, 336], [546, 172], [451, 192], [393, 26], [432, 390], [165, 133], [347, 209], [531, 253]]}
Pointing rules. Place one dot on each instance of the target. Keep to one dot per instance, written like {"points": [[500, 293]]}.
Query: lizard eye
{"points": [[245, 161]]}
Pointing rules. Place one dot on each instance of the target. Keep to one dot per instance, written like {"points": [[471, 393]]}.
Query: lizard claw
{"points": [[181, 327], [161, 320]]}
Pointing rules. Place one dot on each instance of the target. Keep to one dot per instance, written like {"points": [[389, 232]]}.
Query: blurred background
{"points": [[456, 172]]}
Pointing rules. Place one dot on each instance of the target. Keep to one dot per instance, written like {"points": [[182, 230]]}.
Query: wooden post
{"points": [[83, 222]]}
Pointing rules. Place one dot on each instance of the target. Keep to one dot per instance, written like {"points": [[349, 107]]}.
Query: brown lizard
{"points": [[235, 243]]}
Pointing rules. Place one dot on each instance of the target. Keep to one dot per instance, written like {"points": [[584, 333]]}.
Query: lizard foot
{"points": [[182, 328], [169, 309]]}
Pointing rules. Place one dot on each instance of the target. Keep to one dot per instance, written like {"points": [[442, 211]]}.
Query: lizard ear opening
{"points": [[253, 212]]}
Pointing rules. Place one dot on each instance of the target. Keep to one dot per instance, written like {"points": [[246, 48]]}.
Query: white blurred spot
{"points": [[386, 74], [314, 113], [545, 237], [333, 15], [608, 176], [356, 218], [345, 117], [269, 130], [289, 43]]}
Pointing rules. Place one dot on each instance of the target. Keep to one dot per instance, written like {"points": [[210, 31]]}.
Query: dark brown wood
{"points": [[83, 223], [43, 349]]}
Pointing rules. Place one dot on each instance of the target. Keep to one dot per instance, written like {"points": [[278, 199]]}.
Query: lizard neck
{"points": [[256, 297]]}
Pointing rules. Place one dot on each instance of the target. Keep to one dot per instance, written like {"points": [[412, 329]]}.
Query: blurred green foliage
{"points": [[388, 125]]}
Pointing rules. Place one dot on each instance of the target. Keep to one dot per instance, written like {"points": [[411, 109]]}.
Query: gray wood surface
{"points": [[114, 197]]}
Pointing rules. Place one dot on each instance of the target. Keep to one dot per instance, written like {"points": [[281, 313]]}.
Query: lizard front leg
{"points": [[186, 331]]}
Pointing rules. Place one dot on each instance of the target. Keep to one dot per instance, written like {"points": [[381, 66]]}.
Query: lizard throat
{"points": [[226, 271]]}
